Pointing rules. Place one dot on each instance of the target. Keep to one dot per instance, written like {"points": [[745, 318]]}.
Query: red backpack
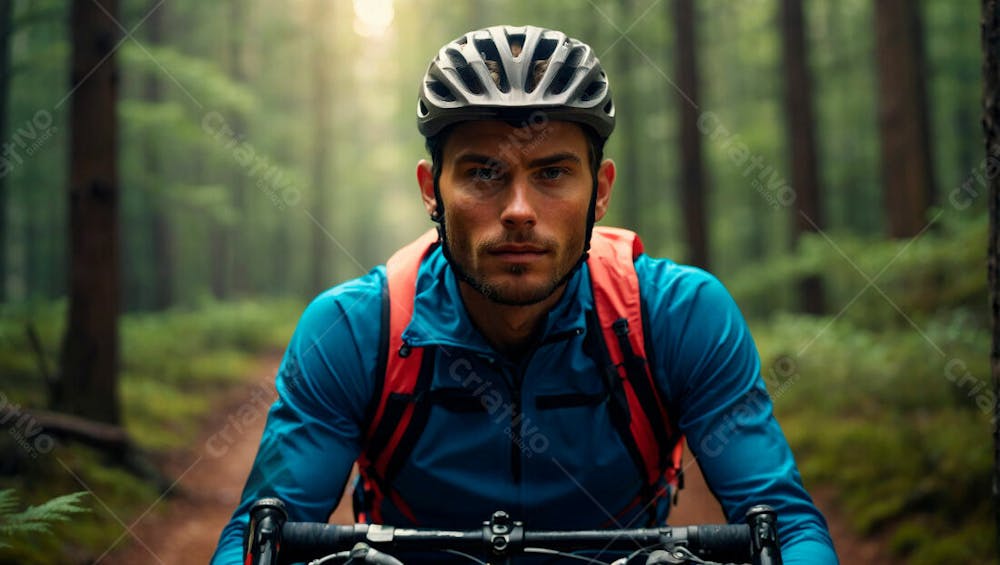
{"points": [[396, 420]]}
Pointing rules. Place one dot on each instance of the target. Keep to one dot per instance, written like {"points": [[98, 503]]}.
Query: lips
{"points": [[518, 253], [503, 249]]}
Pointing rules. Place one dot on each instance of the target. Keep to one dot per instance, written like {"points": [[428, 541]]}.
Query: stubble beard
{"points": [[508, 294]]}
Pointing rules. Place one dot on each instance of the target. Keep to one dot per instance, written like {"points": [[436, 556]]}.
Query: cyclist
{"points": [[516, 413]]}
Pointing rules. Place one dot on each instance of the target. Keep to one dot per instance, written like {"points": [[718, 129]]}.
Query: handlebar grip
{"points": [[303, 541], [728, 543]]}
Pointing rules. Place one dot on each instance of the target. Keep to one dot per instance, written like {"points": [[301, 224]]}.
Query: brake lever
{"points": [[369, 554], [661, 556]]}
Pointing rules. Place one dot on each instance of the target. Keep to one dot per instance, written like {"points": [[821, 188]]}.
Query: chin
{"points": [[517, 292], [518, 298]]}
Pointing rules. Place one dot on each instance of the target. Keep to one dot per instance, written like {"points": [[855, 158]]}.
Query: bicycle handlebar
{"points": [[754, 542]]}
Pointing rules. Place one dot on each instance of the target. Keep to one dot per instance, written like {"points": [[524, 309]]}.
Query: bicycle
{"points": [[272, 540]]}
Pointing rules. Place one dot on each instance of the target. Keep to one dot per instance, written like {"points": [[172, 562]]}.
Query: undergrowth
{"points": [[175, 364], [888, 399]]}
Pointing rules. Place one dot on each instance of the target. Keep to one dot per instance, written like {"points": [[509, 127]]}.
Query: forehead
{"points": [[507, 142]]}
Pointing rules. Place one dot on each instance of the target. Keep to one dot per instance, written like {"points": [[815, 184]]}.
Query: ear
{"points": [[425, 179], [605, 182]]}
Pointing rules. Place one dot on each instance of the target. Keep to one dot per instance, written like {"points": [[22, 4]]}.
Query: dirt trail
{"points": [[185, 527]]}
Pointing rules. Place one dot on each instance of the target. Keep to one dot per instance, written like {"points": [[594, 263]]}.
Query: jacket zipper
{"points": [[515, 433], [517, 415], [514, 382]]}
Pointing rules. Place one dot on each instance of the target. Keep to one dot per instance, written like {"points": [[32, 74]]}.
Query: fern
{"points": [[35, 519]]}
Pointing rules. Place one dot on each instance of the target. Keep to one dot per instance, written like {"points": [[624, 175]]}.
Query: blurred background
{"points": [[824, 159]]}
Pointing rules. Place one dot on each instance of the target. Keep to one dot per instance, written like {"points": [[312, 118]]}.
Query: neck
{"points": [[509, 329]]}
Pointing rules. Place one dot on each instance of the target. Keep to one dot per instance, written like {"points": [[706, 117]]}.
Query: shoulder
{"points": [[346, 305], [699, 332], [665, 284], [335, 348]]}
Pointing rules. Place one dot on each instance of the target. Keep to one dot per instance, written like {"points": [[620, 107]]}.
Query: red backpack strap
{"points": [[403, 374], [619, 311]]}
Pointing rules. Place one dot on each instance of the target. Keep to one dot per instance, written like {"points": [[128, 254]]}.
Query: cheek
{"points": [[461, 228], [573, 217], [573, 228], [467, 215]]}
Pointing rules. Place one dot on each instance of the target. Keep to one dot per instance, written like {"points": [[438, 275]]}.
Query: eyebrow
{"points": [[553, 159], [535, 163], [475, 158]]}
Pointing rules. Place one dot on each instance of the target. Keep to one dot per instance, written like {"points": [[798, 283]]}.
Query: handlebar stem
{"points": [[506, 536]]}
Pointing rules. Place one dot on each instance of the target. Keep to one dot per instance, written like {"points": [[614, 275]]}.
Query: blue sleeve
{"points": [[313, 431], [708, 366]]}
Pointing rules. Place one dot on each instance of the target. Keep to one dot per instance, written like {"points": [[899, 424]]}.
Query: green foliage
{"points": [[118, 496], [166, 121], [938, 275], [178, 346], [201, 79], [890, 398], [175, 365], [34, 520]]}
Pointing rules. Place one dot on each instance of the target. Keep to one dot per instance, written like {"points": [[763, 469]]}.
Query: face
{"points": [[515, 205]]}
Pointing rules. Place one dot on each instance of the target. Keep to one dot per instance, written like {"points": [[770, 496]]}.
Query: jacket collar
{"points": [[440, 318]]}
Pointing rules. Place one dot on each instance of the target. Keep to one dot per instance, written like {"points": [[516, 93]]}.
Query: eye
{"points": [[484, 174], [553, 173]]}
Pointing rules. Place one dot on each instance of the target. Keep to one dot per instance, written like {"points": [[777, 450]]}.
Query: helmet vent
{"points": [[441, 91], [465, 72], [544, 50], [516, 42], [470, 79], [594, 89], [566, 71], [456, 58], [488, 50]]}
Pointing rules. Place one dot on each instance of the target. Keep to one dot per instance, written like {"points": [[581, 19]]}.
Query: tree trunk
{"points": [[162, 235], [907, 170], [807, 210], [991, 131], [228, 271], [693, 186], [6, 28], [240, 235], [34, 283], [321, 143], [219, 257], [623, 85], [89, 364]]}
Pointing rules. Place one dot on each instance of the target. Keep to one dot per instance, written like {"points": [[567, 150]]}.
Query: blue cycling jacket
{"points": [[568, 467]]}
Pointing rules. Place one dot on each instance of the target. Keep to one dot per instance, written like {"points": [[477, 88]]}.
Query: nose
{"points": [[519, 211]]}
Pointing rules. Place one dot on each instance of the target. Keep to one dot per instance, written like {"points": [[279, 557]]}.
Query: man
{"points": [[515, 412]]}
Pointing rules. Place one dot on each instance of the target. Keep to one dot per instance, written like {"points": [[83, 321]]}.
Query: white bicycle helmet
{"points": [[459, 84]]}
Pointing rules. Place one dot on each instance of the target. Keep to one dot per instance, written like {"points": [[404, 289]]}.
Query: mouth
{"points": [[518, 253]]}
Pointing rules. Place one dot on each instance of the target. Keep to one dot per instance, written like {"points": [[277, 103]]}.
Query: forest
{"points": [[178, 179]]}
